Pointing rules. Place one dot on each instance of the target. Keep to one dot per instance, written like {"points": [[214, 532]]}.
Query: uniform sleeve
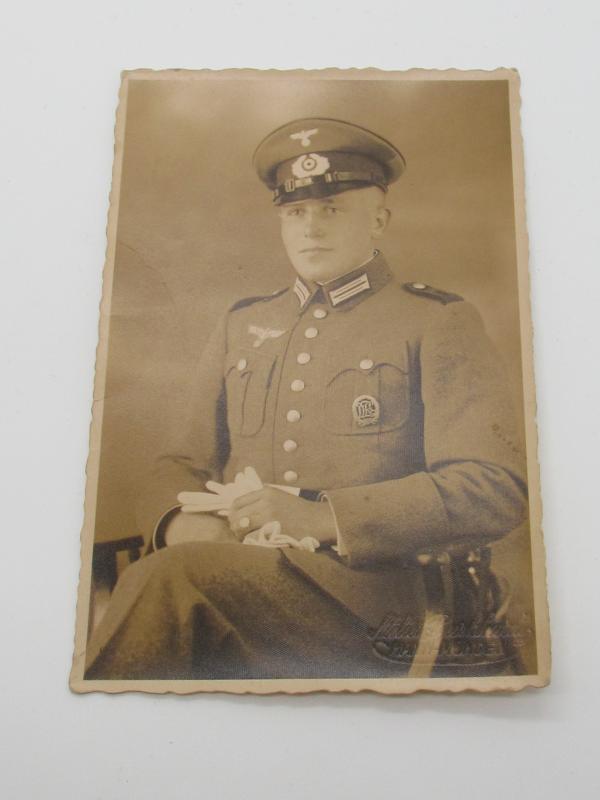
{"points": [[198, 447], [472, 489]]}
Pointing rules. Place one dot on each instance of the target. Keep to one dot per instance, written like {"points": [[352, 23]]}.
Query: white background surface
{"points": [[61, 64]]}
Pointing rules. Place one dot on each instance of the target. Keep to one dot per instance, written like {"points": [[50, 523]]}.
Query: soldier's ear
{"points": [[381, 220]]}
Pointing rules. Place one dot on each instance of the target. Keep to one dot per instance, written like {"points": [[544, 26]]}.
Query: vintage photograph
{"points": [[313, 455]]}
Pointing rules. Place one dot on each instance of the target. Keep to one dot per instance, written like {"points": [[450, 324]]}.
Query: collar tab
{"points": [[356, 285], [349, 289], [302, 292]]}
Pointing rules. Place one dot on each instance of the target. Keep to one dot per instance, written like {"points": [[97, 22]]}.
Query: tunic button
{"points": [[366, 363], [303, 358], [297, 385], [419, 286], [310, 333], [293, 415], [319, 313], [242, 364], [290, 476], [290, 445]]}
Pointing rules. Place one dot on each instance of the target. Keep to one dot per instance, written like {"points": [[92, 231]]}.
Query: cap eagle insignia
{"points": [[304, 136]]}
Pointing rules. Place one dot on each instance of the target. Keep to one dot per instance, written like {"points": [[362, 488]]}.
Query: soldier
{"points": [[383, 404]]}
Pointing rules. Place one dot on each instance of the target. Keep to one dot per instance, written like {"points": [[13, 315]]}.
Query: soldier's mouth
{"points": [[316, 250]]}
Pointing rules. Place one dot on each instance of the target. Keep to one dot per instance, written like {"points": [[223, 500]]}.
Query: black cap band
{"points": [[289, 191]]}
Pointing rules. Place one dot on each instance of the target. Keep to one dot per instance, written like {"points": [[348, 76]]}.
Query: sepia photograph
{"points": [[313, 453]]}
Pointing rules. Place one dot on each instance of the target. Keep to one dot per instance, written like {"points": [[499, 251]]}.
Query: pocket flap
{"points": [[368, 390], [245, 359]]}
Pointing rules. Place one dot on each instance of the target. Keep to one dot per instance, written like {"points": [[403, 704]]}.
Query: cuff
{"points": [[340, 547], [389, 520], [160, 529]]}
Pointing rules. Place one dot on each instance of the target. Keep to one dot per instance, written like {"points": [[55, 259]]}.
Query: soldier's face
{"points": [[329, 237]]}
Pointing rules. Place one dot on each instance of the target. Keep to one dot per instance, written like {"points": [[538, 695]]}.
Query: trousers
{"points": [[227, 611]]}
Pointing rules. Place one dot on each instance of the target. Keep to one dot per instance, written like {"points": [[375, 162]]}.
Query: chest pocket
{"points": [[368, 394], [248, 376]]}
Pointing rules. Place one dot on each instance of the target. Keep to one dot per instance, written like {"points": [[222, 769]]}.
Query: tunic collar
{"points": [[348, 290]]}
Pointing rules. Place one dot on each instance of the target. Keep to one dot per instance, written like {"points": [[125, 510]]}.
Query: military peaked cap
{"points": [[319, 157]]}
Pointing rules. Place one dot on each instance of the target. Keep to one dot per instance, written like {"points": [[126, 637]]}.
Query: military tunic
{"points": [[432, 462], [387, 398]]}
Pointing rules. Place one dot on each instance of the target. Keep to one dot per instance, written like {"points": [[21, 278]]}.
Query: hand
{"points": [[297, 517], [185, 528]]}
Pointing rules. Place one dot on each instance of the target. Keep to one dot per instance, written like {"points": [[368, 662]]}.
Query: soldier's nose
{"points": [[313, 227]]}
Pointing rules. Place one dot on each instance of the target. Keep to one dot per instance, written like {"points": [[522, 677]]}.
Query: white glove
{"points": [[270, 535], [220, 496]]}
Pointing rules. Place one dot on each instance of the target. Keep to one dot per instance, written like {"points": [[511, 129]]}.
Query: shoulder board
{"points": [[248, 301], [432, 293]]}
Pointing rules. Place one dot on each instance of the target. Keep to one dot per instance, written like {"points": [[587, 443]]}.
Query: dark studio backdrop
{"points": [[197, 231]]}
